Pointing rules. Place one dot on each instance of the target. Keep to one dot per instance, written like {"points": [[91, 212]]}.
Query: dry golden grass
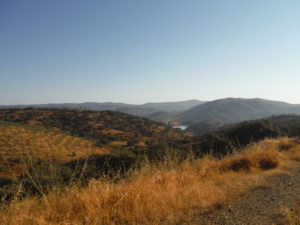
{"points": [[157, 194], [112, 132], [20, 141], [118, 143]]}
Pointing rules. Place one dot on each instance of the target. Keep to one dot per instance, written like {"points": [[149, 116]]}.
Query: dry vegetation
{"points": [[159, 194], [103, 127], [19, 142]]}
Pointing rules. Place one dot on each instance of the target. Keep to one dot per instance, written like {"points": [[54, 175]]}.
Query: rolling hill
{"points": [[21, 144], [105, 127], [161, 112], [232, 110], [137, 111], [173, 106], [144, 110], [62, 135], [162, 116]]}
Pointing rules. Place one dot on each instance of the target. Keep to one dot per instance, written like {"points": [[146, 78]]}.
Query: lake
{"points": [[182, 127]]}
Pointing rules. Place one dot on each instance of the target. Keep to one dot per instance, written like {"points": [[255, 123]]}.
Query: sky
{"points": [[138, 51]]}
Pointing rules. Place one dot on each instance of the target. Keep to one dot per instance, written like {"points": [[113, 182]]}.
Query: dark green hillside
{"points": [[204, 127], [288, 124], [236, 136]]}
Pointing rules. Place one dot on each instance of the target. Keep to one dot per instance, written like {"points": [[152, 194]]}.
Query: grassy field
{"points": [[20, 143], [164, 193]]}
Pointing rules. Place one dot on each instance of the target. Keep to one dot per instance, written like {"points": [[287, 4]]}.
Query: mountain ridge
{"points": [[142, 110], [226, 110], [232, 110]]}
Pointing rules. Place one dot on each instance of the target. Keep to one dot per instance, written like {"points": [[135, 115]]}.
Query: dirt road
{"points": [[277, 203]]}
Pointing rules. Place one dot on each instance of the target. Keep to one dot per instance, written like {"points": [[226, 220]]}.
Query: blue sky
{"points": [[137, 51]]}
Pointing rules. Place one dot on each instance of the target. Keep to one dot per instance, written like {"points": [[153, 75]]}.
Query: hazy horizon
{"points": [[148, 101], [156, 51]]}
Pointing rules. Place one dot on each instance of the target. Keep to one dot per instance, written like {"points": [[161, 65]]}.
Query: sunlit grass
{"points": [[157, 194], [19, 142]]}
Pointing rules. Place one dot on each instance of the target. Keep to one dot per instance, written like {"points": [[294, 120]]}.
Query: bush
{"points": [[252, 131], [107, 165], [240, 165], [131, 143], [268, 163], [215, 144]]}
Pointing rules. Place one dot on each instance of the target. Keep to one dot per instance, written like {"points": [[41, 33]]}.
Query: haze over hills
{"points": [[136, 110], [173, 106], [231, 110], [160, 111], [85, 105], [149, 110], [228, 110]]}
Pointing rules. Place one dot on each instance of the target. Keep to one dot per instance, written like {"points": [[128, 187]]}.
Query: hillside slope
{"points": [[22, 144], [231, 110], [204, 127], [173, 106], [288, 125], [105, 127]]}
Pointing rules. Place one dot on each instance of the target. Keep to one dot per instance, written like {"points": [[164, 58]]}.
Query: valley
{"points": [[52, 153], [150, 112], [212, 114]]}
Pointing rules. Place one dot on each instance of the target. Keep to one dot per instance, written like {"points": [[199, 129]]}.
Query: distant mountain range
{"points": [[163, 111], [232, 110], [224, 111]]}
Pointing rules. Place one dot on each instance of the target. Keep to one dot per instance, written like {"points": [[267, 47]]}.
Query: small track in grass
{"points": [[277, 203]]}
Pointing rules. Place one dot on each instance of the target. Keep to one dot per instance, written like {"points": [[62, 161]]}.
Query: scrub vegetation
{"points": [[164, 193], [52, 172]]}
